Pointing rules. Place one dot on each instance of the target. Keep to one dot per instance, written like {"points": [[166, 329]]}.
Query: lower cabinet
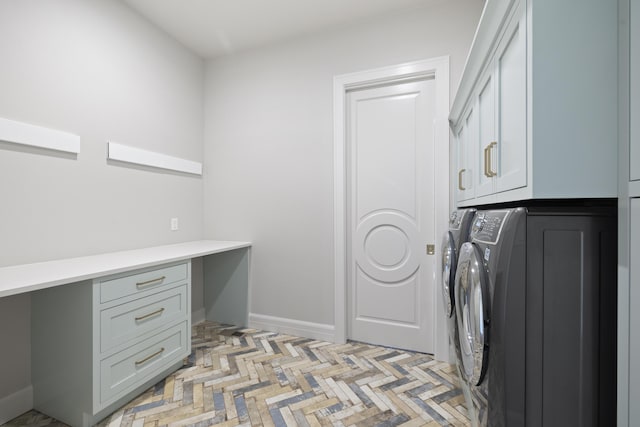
{"points": [[97, 344]]}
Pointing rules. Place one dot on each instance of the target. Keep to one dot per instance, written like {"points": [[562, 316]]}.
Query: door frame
{"points": [[437, 68]]}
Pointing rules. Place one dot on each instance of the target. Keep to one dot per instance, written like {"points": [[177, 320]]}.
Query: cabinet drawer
{"points": [[140, 282], [124, 371], [124, 322]]}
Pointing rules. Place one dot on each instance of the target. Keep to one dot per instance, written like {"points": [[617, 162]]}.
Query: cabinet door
{"points": [[486, 136], [465, 170], [634, 313], [634, 90], [460, 165], [510, 153]]}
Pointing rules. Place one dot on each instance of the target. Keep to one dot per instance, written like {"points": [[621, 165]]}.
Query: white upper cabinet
{"points": [[511, 71], [486, 132], [465, 154], [542, 83]]}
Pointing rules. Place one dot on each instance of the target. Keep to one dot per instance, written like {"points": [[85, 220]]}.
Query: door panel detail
{"points": [[387, 246]]}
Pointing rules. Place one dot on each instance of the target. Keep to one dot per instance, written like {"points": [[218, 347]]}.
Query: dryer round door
{"points": [[448, 273], [472, 312]]}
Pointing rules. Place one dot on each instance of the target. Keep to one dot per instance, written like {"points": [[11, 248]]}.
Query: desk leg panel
{"points": [[61, 355], [226, 287]]}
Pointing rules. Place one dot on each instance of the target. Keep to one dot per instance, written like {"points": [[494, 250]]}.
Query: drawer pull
{"points": [[146, 316], [150, 282], [151, 356]]}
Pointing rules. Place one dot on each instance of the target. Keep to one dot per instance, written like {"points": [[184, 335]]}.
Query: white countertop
{"points": [[18, 279]]}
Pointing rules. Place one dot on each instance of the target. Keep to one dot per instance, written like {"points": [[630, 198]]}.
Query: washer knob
{"points": [[479, 222]]}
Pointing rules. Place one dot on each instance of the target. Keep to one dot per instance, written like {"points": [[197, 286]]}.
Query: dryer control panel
{"points": [[459, 218]]}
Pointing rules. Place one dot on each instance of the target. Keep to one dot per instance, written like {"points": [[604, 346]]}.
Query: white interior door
{"points": [[390, 200]]}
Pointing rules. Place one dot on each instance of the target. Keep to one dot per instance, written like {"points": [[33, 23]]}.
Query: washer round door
{"points": [[448, 273], [472, 312]]}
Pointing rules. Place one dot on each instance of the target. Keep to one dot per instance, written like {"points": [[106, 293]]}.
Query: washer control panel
{"points": [[487, 225]]}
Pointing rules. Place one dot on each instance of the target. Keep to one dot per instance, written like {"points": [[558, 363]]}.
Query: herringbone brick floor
{"points": [[254, 378]]}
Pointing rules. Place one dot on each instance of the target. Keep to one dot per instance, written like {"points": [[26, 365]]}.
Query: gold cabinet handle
{"points": [[460, 187], [151, 356], [486, 162], [146, 316], [150, 282], [490, 171]]}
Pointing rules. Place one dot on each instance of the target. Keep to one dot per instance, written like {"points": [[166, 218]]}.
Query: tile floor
{"points": [[254, 378]]}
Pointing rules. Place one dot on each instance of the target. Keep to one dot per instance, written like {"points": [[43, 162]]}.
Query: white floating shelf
{"points": [[124, 153], [38, 136]]}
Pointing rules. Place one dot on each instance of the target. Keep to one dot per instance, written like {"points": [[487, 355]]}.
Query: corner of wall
{"points": [[16, 404]]}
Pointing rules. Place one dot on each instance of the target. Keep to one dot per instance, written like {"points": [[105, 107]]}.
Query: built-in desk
{"points": [[105, 327], [24, 278]]}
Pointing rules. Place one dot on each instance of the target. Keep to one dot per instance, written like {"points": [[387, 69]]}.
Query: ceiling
{"points": [[217, 27]]}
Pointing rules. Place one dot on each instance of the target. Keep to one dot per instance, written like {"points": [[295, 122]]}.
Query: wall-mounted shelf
{"points": [[124, 153], [38, 136]]}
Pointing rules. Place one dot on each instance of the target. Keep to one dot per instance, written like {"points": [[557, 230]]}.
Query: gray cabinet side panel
{"points": [[634, 90], [226, 287], [197, 290], [574, 98], [623, 213], [61, 357], [571, 345], [566, 396], [608, 348], [534, 310], [634, 315]]}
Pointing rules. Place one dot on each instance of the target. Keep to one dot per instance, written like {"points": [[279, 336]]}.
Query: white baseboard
{"points": [[16, 404], [198, 316], [316, 331]]}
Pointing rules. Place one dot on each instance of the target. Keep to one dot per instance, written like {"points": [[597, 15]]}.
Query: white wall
{"points": [[98, 70], [269, 146]]}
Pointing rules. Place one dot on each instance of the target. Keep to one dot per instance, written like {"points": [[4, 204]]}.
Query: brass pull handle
{"points": [[460, 187], [146, 316], [151, 356], [490, 171], [150, 282], [486, 163]]}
